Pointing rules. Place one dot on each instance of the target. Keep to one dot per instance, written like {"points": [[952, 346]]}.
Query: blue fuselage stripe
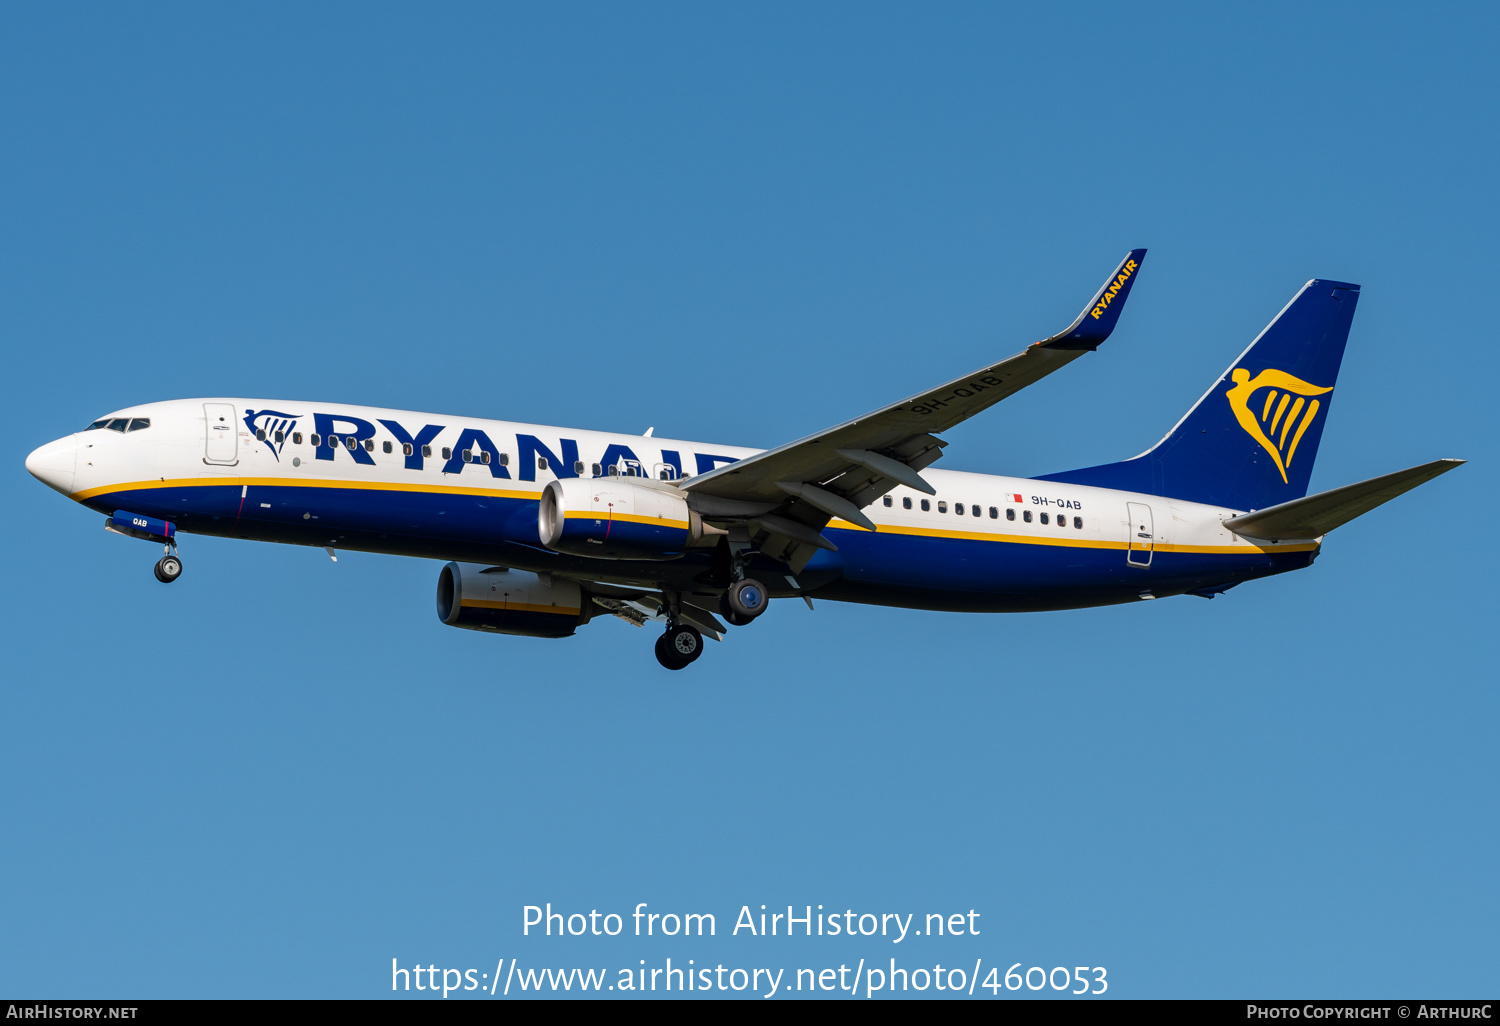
{"points": [[886, 568]]}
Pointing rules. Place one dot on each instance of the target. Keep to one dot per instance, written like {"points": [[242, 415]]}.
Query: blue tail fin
{"points": [[1251, 440]]}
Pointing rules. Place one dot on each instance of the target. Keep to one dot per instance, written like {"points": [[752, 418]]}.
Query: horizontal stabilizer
{"points": [[1316, 515]]}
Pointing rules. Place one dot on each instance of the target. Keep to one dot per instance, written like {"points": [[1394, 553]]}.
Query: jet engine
{"points": [[615, 518], [503, 601]]}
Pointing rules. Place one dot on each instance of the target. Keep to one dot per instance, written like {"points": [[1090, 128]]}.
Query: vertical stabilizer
{"points": [[1251, 440]]}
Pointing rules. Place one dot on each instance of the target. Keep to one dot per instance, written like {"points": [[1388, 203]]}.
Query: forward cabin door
{"points": [[1138, 551], [220, 441]]}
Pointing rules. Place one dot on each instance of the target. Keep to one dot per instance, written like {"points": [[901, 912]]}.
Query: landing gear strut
{"points": [[679, 646]]}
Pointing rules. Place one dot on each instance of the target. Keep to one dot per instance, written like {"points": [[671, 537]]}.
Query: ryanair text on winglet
{"points": [[1109, 293]]}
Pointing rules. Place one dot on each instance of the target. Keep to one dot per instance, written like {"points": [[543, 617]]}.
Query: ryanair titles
{"points": [[1108, 295], [339, 435]]}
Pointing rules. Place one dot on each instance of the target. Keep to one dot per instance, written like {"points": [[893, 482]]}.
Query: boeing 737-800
{"points": [[545, 528]]}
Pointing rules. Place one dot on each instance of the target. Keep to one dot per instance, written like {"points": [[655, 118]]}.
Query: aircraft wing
{"points": [[838, 471]]}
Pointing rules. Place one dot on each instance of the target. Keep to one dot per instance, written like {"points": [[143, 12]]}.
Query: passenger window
{"points": [[614, 471], [406, 448], [447, 453], [385, 446], [280, 437], [370, 445], [926, 505], [595, 469], [905, 502], [468, 456], [1062, 521], [541, 463], [578, 469], [887, 502], [958, 508], [1010, 514], [942, 507], [260, 434], [427, 452], [1026, 515], [140, 423], [484, 457], [1078, 523], [974, 510], [351, 443], [296, 437], [1044, 519], [316, 440], [994, 513], [504, 459]]}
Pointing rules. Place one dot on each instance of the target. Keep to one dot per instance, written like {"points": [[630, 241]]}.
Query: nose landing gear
{"points": [[163, 532], [168, 568]]}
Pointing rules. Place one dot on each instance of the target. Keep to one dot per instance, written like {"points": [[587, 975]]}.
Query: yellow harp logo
{"points": [[1282, 390]]}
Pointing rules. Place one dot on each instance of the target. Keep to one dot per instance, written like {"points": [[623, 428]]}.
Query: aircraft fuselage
{"points": [[398, 482]]}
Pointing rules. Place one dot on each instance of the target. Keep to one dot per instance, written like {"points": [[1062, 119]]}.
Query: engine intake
{"points": [[483, 598], [614, 518]]}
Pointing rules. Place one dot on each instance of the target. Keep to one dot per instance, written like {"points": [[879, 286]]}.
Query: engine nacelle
{"points": [[614, 518], [484, 598]]}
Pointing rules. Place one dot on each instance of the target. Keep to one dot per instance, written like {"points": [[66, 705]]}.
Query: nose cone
{"points": [[53, 464]]}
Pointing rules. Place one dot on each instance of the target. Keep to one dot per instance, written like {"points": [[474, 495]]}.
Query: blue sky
{"points": [[741, 225]]}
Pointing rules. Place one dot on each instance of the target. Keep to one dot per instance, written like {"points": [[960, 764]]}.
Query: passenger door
{"points": [[220, 441], [1141, 538]]}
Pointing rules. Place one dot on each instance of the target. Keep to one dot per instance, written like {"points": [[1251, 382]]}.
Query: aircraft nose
{"points": [[53, 464]]}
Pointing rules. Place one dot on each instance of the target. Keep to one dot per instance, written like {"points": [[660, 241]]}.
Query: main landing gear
{"points": [[744, 601], [679, 646]]}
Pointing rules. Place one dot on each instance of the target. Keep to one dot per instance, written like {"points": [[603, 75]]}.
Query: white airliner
{"points": [[546, 528]]}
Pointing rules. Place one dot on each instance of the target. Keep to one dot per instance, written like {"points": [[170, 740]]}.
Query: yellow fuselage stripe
{"points": [[215, 481], [1071, 543]]}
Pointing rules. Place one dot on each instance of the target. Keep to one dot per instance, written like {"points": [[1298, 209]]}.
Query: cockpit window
{"points": [[121, 424]]}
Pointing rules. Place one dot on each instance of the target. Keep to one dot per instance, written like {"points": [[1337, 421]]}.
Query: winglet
{"points": [[1098, 318]]}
